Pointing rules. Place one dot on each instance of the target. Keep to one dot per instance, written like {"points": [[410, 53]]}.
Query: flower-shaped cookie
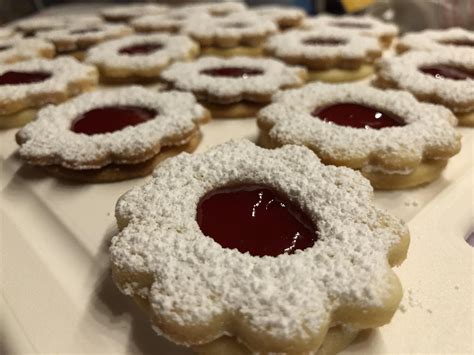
{"points": [[140, 56], [237, 80], [126, 126], [17, 49], [447, 40], [365, 25], [125, 13], [221, 9], [30, 85], [394, 140], [331, 54], [283, 16], [170, 22], [198, 288], [82, 37], [6, 32], [31, 26], [239, 33], [443, 77]]}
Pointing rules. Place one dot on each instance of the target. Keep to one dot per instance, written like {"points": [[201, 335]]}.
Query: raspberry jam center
{"points": [[357, 116], [141, 49], [255, 219], [352, 25], [232, 72], [111, 119], [20, 77], [323, 41], [441, 71], [459, 42]]}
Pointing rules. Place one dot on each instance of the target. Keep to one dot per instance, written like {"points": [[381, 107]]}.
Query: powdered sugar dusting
{"points": [[427, 126], [437, 39], [49, 138], [288, 297], [167, 23], [47, 23], [365, 25], [22, 49], [6, 32], [211, 8], [280, 13], [235, 27], [291, 44], [276, 75], [133, 10], [457, 95], [64, 71], [174, 47]]}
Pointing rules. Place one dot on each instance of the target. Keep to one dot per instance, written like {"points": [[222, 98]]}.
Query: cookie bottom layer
{"points": [[241, 109], [337, 339], [466, 119], [426, 172], [232, 52], [18, 119], [117, 172], [337, 75]]}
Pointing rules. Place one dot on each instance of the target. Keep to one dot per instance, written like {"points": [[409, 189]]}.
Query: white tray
{"points": [[58, 296]]}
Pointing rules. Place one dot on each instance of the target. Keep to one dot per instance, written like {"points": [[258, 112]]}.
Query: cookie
{"points": [[284, 16], [444, 77], [112, 135], [215, 9], [391, 138], [141, 57], [126, 13], [30, 85], [18, 49], [330, 54], [75, 40], [365, 25], [170, 22], [233, 87], [30, 26], [6, 33], [232, 35], [429, 40], [270, 247]]}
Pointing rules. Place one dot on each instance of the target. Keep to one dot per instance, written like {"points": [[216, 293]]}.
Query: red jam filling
{"points": [[255, 219], [233, 72], [441, 71], [459, 42], [111, 119], [324, 41], [352, 25], [20, 77], [141, 49], [357, 116], [84, 31]]}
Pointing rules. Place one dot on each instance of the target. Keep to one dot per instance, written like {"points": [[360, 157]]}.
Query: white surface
{"points": [[58, 296]]}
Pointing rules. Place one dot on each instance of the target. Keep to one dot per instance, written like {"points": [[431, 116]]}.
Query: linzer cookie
{"points": [[443, 77], [269, 247], [18, 49], [6, 32], [237, 34], [447, 40], [112, 135], [170, 22], [125, 13], [28, 86], [284, 16], [141, 57], [216, 9], [76, 40], [365, 25], [330, 54], [30, 26], [391, 138], [233, 87]]}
